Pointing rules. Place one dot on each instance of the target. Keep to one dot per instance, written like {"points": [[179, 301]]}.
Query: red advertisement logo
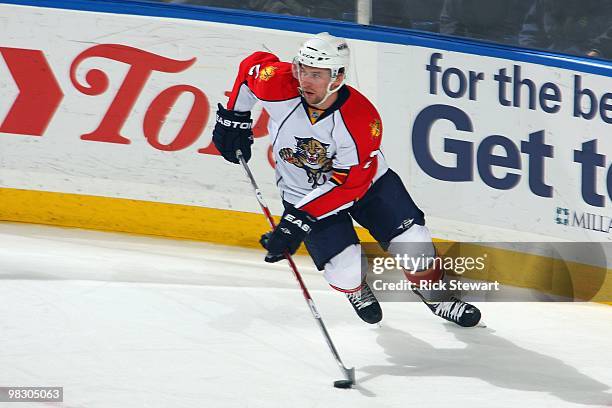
{"points": [[40, 96], [39, 93]]}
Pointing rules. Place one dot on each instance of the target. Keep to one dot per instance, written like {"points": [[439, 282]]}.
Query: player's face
{"points": [[314, 83]]}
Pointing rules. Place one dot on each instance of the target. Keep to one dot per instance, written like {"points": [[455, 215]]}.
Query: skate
{"points": [[447, 305], [365, 304], [457, 311]]}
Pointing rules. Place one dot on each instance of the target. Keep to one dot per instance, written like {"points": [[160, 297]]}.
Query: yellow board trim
{"points": [[244, 229], [136, 216], [548, 275]]}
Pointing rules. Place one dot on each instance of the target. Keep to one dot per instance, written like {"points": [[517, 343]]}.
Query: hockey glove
{"points": [[233, 131], [288, 234]]}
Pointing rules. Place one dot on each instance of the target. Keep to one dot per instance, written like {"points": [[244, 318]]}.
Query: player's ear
{"points": [[338, 81]]}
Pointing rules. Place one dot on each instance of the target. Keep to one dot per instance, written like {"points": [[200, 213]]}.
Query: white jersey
{"points": [[325, 160]]}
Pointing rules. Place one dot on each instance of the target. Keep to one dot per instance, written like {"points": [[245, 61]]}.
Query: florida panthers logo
{"points": [[310, 155], [267, 73], [375, 128]]}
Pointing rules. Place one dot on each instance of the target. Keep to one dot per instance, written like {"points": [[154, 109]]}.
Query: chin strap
{"points": [[328, 93]]}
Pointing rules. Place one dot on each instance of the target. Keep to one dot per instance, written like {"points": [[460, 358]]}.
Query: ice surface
{"points": [[126, 321]]}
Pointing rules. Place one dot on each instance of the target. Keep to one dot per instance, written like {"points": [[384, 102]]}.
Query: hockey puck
{"points": [[343, 384]]}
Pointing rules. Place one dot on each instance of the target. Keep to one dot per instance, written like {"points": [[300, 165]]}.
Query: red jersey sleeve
{"points": [[261, 76], [358, 142]]}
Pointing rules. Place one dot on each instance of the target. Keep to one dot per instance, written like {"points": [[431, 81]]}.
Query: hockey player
{"points": [[325, 138]]}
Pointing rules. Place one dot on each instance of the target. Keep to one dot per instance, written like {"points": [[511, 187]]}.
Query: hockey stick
{"points": [[349, 373]]}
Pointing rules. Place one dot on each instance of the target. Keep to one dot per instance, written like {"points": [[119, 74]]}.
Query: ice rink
{"points": [[125, 321]]}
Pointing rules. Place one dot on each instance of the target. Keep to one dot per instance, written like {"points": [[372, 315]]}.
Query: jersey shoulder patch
{"points": [[271, 80], [362, 121], [275, 82]]}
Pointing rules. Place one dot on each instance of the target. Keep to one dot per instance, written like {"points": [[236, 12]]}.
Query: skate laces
{"points": [[453, 309], [362, 298]]}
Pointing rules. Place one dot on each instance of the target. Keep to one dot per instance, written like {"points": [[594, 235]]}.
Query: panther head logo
{"points": [[310, 155]]}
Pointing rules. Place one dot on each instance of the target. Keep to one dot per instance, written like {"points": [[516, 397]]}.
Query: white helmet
{"points": [[324, 51]]}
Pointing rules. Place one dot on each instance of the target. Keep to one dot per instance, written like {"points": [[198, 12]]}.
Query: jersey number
{"points": [[369, 162], [254, 71]]}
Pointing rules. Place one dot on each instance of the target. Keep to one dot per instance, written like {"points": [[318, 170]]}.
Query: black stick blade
{"points": [[343, 384]]}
